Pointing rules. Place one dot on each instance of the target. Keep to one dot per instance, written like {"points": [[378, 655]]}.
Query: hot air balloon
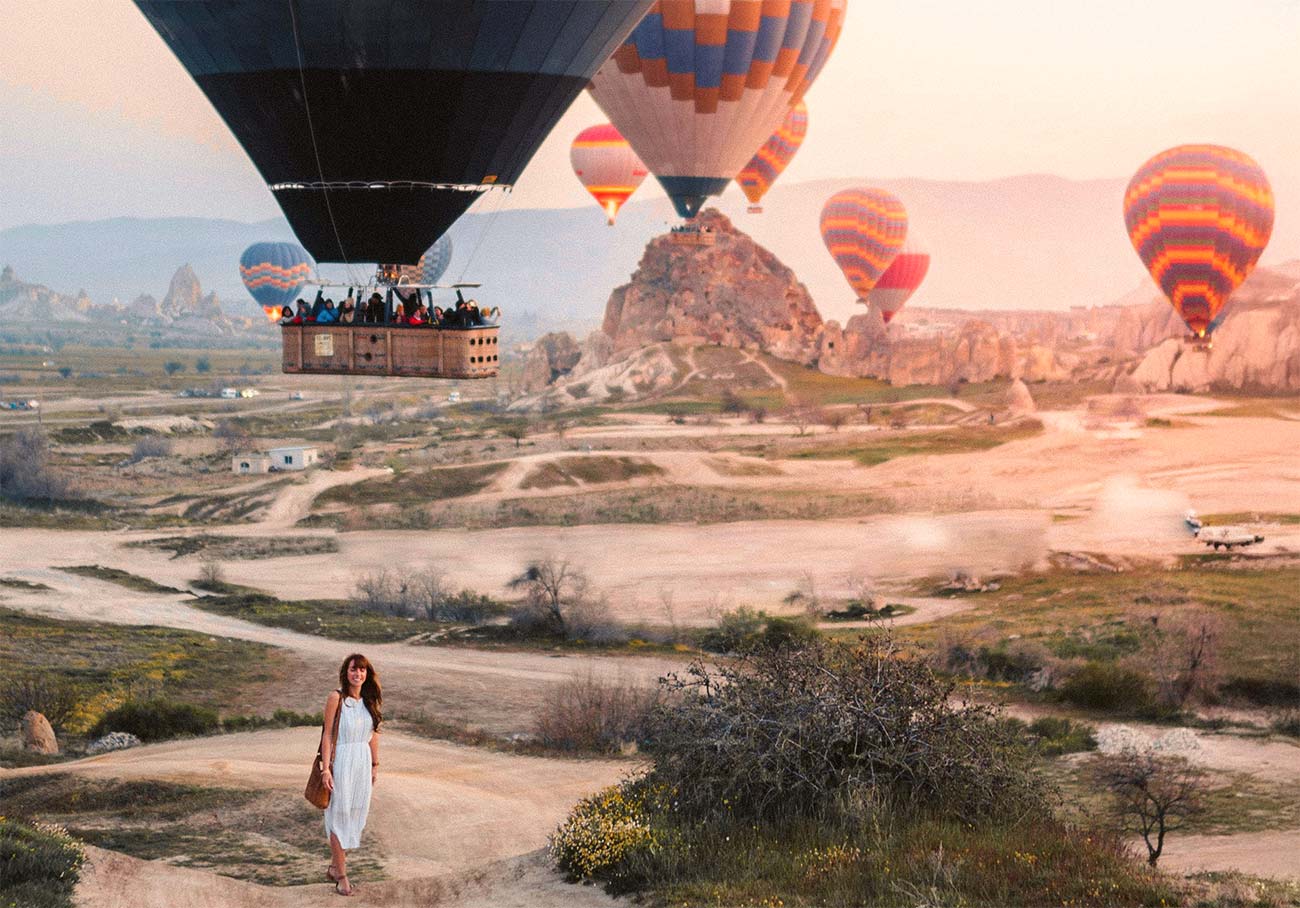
{"points": [[700, 84], [434, 262], [900, 280], [1199, 217], [775, 155], [863, 229], [274, 274], [377, 123], [607, 166]]}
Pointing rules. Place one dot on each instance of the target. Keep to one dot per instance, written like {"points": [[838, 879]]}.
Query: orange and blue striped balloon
{"points": [[274, 274], [607, 166], [863, 229], [1199, 217], [775, 155]]}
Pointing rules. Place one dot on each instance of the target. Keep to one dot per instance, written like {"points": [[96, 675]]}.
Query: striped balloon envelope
{"points": [[701, 84], [607, 166], [900, 280], [863, 229], [775, 155], [1199, 217], [433, 264], [274, 274]]}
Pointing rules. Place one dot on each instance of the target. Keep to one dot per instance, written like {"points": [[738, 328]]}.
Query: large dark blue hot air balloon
{"points": [[376, 123], [274, 274]]}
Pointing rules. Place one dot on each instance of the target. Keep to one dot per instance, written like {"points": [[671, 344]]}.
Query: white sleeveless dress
{"points": [[349, 805]]}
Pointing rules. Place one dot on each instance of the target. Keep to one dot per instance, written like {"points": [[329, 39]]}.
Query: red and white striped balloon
{"points": [[607, 166], [900, 280]]}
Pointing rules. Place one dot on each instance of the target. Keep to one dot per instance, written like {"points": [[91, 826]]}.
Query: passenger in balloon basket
{"points": [[420, 316], [303, 315], [328, 315], [436, 317], [318, 306], [286, 315], [375, 308], [348, 313]]}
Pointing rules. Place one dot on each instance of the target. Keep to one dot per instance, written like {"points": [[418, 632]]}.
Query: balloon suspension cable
{"points": [[487, 228], [311, 131]]}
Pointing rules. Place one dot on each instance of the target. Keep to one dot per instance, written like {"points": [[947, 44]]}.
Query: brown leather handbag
{"points": [[316, 793]]}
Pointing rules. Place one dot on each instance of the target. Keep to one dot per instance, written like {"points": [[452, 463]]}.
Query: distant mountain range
{"points": [[1037, 242]]}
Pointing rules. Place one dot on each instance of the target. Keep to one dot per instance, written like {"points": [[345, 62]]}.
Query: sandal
{"points": [[338, 885]]}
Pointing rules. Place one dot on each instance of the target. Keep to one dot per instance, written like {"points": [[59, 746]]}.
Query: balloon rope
{"points": [[482, 238], [311, 131]]}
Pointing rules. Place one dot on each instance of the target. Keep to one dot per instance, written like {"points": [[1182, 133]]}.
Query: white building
{"points": [[251, 463], [294, 458]]}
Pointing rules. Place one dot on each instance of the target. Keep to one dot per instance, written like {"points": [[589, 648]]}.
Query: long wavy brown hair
{"points": [[371, 693]]}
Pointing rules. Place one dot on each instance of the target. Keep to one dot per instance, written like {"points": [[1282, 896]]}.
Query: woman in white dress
{"points": [[351, 761]]}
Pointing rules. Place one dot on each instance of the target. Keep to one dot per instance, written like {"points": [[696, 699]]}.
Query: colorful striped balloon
{"points": [[775, 155], [607, 166], [701, 84], [863, 229], [274, 274], [1199, 217], [900, 280]]}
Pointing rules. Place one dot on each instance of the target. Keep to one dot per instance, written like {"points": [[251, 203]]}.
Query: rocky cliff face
{"points": [[1257, 347], [734, 293]]}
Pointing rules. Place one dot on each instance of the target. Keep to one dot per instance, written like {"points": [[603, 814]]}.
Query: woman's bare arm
{"points": [[374, 755], [327, 739]]}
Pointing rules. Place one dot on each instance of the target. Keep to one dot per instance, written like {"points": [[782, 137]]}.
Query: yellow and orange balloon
{"points": [[864, 229], [1199, 217], [772, 159], [606, 164]]}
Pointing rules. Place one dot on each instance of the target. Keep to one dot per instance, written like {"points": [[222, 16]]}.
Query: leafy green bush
{"points": [[281, 718], [39, 865], [744, 628], [158, 720], [1056, 735], [602, 832], [1110, 687], [1262, 691]]}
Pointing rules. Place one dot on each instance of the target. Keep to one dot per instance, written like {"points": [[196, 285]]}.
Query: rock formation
{"points": [[552, 356], [734, 293], [38, 736], [1019, 401]]}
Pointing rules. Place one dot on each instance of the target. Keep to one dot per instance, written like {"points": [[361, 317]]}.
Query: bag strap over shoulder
{"points": [[334, 733]]}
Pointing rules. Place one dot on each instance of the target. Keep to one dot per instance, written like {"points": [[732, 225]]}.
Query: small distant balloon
{"points": [[1199, 217], [900, 280], [274, 274], [433, 264], [863, 229], [773, 157], [607, 166]]}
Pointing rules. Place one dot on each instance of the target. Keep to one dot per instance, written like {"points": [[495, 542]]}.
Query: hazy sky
{"points": [[97, 118]]}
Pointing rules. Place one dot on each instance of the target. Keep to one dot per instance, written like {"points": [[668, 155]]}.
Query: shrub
{"points": [[157, 720], [744, 628], [602, 831], [25, 467], [39, 864], [596, 715], [52, 697], [151, 446], [558, 602], [1288, 723], [1056, 735], [1109, 686], [809, 728], [281, 718], [1262, 691]]}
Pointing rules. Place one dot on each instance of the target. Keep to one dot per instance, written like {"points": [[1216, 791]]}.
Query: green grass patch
{"points": [[874, 451], [1238, 517], [423, 486], [258, 836], [26, 586], [661, 504], [104, 665], [1101, 616], [237, 548], [592, 470], [39, 865], [337, 619], [120, 577]]}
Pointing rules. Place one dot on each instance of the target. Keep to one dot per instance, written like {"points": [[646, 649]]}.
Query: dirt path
{"points": [[1270, 854], [294, 502], [463, 824]]}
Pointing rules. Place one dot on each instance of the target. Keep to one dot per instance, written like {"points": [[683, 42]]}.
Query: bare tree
{"points": [[1153, 794], [429, 589], [26, 468], [1184, 655], [834, 419], [558, 599]]}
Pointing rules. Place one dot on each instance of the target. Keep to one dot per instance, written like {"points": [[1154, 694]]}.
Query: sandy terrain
{"points": [[454, 822]]}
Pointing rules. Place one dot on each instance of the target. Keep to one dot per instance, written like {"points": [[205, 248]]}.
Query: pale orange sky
{"points": [[98, 119]]}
